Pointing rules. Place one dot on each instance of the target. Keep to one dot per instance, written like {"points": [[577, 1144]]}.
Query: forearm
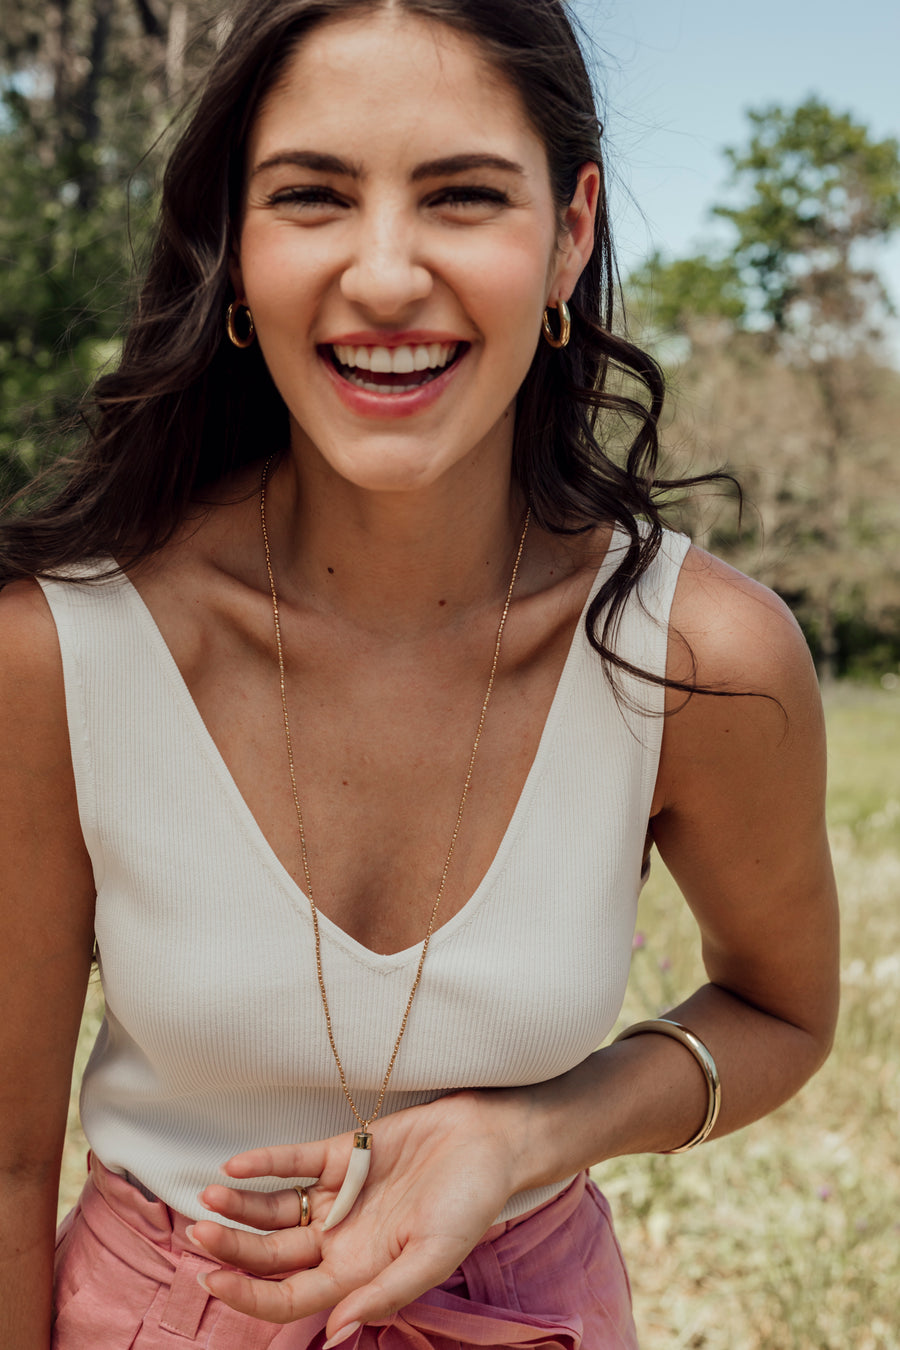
{"points": [[27, 1227], [648, 1095]]}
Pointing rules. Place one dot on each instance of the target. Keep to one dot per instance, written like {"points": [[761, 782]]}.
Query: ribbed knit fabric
{"points": [[214, 1038]]}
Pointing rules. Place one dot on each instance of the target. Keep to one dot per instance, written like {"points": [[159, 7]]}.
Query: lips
{"points": [[380, 369]]}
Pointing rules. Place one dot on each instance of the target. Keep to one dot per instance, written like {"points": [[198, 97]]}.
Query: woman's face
{"points": [[398, 244]]}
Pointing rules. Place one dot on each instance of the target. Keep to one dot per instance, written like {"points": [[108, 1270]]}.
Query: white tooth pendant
{"points": [[355, 1179]]}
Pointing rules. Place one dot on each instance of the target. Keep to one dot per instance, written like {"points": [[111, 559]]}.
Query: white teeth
{"points": [[396, 360], [404, 362]]}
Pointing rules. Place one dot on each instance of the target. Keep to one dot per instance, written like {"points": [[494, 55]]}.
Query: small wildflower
{"points": [[665, 965], [824, 1192], [638, 941]]}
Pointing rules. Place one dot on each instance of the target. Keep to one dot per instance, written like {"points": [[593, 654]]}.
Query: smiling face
{"points": [[398, 244]]}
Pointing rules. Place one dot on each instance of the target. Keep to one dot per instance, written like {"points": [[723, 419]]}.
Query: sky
{"points": [[676, 78]]}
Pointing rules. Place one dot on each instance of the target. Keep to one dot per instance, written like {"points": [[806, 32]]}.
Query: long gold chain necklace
{"points": [[361, 1154]]}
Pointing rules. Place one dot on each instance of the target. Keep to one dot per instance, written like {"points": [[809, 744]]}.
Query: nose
{"points": [[386, 274]]}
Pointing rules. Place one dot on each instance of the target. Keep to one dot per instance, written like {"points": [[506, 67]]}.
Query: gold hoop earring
{"points": [[565, 326], [239, 340]]}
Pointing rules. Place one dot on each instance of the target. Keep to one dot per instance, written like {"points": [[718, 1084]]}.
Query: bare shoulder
{"points": [[757, 710], [730, 633], [29, 648], [44, 863], [33, 724], [43, 853]]}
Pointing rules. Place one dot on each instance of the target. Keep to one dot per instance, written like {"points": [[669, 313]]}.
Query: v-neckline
{"points": [[257, 837]]}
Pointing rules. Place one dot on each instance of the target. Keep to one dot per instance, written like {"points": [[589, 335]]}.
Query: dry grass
{"points": [[785, 1236]]}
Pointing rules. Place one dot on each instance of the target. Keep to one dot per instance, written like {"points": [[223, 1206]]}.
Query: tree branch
{"points": [[152, 26]]}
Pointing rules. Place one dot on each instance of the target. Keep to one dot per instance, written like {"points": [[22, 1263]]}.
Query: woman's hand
{"points": [[439, 1177]]}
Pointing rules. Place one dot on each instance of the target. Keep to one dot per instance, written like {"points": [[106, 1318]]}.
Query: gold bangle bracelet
{"points": [[664, 1026]]}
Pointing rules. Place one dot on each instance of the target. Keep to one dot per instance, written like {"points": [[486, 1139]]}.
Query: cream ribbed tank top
{"points": [[214, 1038]]}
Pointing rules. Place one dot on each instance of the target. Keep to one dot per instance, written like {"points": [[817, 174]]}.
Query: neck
{"points": [[397, 562]]}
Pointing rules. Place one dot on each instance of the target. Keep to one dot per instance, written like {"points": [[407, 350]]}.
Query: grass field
{"points": [[785, 1236]]}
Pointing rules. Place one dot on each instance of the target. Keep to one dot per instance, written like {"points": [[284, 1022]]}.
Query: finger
{"points": [[283, 1160], [286, 1300], [260, 1253], [419, 1267], [259, 1209]]}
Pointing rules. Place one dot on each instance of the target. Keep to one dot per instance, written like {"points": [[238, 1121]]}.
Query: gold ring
{"points": [[305, 1208]]}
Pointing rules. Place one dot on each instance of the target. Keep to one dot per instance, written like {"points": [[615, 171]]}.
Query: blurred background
{"points": [[755, 201]]}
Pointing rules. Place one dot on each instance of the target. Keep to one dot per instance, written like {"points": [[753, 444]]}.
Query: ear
{"points": [[577, 239]]}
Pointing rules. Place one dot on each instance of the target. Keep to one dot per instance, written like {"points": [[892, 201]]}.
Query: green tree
{"points": [[794, 364], [675, 295], [816, 186], [85, 88]]}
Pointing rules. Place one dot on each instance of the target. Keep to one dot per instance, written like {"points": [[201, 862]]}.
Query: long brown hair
{"points": [[184, 409]]}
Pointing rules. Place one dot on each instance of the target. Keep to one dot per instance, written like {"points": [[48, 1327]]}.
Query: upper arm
{"points": [[46, 888], [740, 804]]}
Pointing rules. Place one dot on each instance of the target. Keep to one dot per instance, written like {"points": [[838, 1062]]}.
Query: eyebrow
{"points": [[448, 167], [310, 159], [456, 164]]}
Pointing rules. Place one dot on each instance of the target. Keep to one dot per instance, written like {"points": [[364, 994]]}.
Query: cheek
{"points": [[280, 276], [507, 292], [514, 272], [513, 288]]}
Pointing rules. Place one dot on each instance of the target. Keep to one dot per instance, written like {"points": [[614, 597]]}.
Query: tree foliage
{"points": [[674, 295], [785, 373], [825, 535], [816, 186], [85, 88]]}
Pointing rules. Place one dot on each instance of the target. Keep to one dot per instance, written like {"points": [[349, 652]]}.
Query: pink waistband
{"points": [[497, 1297], [153, 1222]]}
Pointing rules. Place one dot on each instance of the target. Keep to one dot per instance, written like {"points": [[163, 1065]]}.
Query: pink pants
{"points": [[126, 1279]]}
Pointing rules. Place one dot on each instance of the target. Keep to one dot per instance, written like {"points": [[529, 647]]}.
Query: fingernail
{"points": [[189, 1234], [201, 1280], [342, 1335]]}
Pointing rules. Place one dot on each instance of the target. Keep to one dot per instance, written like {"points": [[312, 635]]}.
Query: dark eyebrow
{"points": [[448, 167], [455, 164], [310, 159]]}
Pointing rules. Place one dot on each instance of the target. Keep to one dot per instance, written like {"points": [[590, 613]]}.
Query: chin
{"points": [[391, 478], [384, 467]]}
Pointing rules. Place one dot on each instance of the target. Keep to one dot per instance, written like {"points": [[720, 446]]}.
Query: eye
{"points": [[312, 197], [469, 199]]}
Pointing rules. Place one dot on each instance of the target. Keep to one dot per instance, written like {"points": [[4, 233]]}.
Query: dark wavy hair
{"points": [[184, 409]]}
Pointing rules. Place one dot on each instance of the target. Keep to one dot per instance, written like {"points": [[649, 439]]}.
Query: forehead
{"points": [[392, 80]]}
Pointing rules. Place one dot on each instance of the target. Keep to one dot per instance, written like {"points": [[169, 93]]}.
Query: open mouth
{"points": [[395, 370]]}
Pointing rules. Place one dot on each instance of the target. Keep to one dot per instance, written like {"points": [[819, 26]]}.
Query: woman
{"points": [[364, 442]]}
